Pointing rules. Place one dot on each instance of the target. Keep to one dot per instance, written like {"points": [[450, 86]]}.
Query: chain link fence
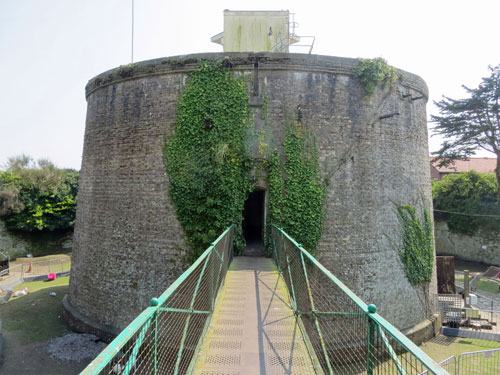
{"points": [[347, 336], [166, 336]]}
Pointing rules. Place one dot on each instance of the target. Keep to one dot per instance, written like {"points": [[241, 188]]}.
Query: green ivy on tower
{"points": [[206, 158], [296, 190], [417, 252]]}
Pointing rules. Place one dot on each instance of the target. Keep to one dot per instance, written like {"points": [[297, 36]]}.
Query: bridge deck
{"points": [[253, 329]]}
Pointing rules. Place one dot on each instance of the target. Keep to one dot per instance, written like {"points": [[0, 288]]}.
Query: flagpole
{"points": [[132, 54]]}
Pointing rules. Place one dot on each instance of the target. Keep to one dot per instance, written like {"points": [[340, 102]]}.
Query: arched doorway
{"points": [[254, 222]]}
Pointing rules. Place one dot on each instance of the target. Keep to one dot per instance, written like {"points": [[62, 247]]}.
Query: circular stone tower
{"points": [[128, 244]]}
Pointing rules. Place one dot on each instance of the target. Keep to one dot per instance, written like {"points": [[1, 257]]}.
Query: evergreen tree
{"points": [[470, 124]]}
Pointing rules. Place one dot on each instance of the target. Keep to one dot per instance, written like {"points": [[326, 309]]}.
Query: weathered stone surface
{"points": [[128, 245], [483, 246], [445, 266]]}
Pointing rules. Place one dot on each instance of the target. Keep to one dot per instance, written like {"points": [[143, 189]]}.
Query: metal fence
{"points": [[483, 362], [33, 269], [164, 338], [471, 322], [449, 364], [347, 336]]}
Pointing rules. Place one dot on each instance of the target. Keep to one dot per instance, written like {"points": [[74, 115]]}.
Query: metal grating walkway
{"points": [[253, 329]]}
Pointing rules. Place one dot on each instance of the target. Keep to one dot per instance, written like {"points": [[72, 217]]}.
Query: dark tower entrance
{"points": [[253, 223]]}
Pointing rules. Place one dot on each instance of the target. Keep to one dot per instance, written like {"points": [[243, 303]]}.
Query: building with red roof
{"points": [[481, 165]]}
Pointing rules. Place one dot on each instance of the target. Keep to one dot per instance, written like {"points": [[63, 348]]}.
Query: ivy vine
{"points": [[372, 72], [417, 252], [206, 158], [296, 190]]}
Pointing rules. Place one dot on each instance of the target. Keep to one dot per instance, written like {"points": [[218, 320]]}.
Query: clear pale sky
{"points": [[50, 49]]}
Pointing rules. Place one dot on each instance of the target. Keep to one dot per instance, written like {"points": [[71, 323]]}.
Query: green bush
{"points": [[465, 195], [37, 196], [374, 72]]}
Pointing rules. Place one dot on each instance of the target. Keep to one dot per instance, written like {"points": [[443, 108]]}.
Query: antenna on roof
{"points": [[132, 53]]}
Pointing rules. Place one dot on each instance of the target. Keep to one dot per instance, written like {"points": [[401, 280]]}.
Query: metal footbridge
{"points": [[286, 315]]}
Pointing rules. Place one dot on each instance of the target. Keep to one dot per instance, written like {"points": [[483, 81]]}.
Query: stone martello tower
{"points": [[128, 244]]}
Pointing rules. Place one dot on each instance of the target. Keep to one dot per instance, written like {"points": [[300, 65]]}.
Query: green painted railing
{"points": [[164, 338], [346, 334]]}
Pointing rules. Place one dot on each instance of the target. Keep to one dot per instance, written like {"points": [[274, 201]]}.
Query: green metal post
{"points": [[188, 319], [135, 351], [294, 300], [466, 288], [221, 257], [155, 302], [372, 326], [391, 351], [316, 323]]}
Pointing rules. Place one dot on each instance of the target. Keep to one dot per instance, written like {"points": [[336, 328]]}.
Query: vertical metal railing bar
{"points": [[198, 347], [409, 345], [156, 344], [218, 275], [293, 299], [105, 357], [370, 354], [188, 319], [273, 244], [131, 361], [313, 314], [212, 287], [393, 354]]}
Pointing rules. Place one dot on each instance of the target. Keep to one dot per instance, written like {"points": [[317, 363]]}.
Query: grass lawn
{"points": [[484, 285], [36, 316], [24, 260], [442, 347]]}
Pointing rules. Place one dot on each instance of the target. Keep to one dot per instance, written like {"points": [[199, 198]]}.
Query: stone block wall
{"points": [[483, 246]]}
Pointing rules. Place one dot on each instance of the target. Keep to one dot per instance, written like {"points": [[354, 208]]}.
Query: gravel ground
{"points": [[75, 347]]}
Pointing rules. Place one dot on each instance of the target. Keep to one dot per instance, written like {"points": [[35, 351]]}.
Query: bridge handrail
{"points": [[368, 310], [105, 362]]}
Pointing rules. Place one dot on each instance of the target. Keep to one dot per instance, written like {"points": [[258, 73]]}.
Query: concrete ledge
{"points": [[82, 324], [242, 61], [425, 330]]}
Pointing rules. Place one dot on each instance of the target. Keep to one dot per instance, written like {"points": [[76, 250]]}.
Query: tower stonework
{"points": [[128, 244]]}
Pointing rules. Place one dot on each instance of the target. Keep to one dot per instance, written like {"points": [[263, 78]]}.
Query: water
{"points": [[461, 265], [17, 243]]}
